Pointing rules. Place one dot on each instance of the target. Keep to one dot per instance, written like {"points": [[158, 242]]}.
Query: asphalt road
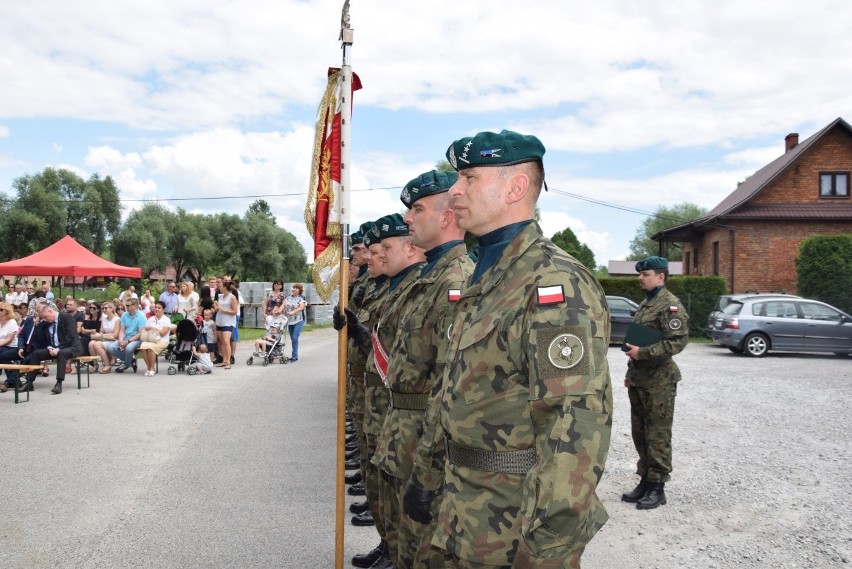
{"points": [[236, 469]]}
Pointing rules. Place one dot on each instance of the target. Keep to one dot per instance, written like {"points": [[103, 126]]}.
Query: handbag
{"points": [[151, 336]]}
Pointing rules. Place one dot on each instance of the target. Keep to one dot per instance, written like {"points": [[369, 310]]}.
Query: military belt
{"points": [[373, 380], [413, 401], [655, 362], [511, 461], [355, 370], [388, 477]]}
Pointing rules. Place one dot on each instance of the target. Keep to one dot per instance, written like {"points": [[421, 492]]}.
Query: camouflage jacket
{"points": [[355, 358], [526, 369], [384, 318], [665, 313], [418, 354]]}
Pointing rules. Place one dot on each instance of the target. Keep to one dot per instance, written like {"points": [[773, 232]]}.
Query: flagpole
{"points": [[342, 202]]}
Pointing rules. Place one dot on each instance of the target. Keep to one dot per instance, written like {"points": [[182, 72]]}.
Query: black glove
{"points": [[337, 318], [359, 333], [416, 502]]}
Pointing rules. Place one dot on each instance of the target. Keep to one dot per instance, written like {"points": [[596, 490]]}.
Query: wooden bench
{"points": [[22, 368], [80, 362]]}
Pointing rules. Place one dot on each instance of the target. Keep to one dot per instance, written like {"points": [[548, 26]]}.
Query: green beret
{"points": [[368, 239], [432, 182], [356, 238], [492, 149], [388, 226], [652, 263]]}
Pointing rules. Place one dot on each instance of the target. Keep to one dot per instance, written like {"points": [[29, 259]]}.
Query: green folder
{"points": [[640, 335]]}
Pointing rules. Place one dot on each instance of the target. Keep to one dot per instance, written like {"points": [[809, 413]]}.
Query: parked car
{"points": [[757, 324], [726, 299], [621, 311]]}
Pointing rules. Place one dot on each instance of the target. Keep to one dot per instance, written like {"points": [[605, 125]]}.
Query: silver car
{"points": [[756, 325]]}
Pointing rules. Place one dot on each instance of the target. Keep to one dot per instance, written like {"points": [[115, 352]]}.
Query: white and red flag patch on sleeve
{"points": [[454, 294], [550, 294], [672, 308]]}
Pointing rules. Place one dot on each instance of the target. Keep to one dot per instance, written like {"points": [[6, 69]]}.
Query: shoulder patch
{"points": [[675, 323], [550, 295], [454, 294], [672, 309], [566, 351]]}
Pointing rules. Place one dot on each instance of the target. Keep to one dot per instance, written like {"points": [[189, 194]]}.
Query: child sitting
{"points": [[204, 363], [261, 346]]}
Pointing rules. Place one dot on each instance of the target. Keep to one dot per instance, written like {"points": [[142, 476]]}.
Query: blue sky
{"points": [[639, 104]]}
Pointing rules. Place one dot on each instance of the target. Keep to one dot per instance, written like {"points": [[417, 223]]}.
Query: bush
{"points": [[824, 268], [698, 295]]}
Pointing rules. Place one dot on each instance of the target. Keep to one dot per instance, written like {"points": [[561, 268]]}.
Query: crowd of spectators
{"points": [[114, 330]]}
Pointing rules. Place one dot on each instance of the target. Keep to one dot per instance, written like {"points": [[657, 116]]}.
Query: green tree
{"points": [[190, 245], [642, 245], [143, 241], [261, 207], [824, 268], [54, 203], [568, 242]]}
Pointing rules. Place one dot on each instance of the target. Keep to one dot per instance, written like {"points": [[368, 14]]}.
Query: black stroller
{"points": [[180, 356]]}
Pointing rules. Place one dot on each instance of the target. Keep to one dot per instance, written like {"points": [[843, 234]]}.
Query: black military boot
{"points": [[353, 478], [383, 562], [359, 507], [637, 493], [656, 496], [363, 519], [367, 559], [352, 455], [356, 489]]}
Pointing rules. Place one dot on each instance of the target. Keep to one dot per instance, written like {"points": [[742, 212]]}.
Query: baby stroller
{"points": [[180, 354], [275, 350]]}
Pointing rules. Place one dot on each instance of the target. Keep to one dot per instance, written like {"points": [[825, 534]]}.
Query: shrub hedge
{"points": [[824, 268], [698, 295]]}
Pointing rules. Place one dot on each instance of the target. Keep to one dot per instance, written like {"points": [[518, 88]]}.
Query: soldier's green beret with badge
{"points": [[432, 182], [366, 230], [389, 226], [652, 264], [494, 149], [356, 238]]}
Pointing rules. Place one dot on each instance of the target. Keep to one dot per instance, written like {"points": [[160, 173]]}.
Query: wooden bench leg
{"points": [[17, 392], [80, 374]]}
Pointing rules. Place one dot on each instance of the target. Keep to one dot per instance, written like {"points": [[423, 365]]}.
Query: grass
{"points": [[253, 334]]}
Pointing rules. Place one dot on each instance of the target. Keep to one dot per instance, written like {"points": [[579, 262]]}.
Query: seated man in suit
{"points": [[62, 340]]}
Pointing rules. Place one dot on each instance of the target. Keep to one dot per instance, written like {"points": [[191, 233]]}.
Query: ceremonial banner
{"points": [[321, 216]]}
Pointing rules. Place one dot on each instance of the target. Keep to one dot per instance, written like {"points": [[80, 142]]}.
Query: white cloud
{"points": [[4, 131]]}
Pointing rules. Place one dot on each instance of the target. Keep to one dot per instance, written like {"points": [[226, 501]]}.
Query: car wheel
{"points": [[735, 350], [756, 345]]}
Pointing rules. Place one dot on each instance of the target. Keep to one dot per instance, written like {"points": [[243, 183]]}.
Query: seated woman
{"points": [[160, 323], [91, 327], [8, 343], [98, 342]]}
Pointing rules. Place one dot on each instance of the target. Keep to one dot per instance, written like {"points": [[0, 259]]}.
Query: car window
{"points": [[733, 307], [819, 312], [781, 309], [618, 305]]}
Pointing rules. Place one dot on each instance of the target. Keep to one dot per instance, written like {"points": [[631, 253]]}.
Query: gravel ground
{"points": [[761, 459]]}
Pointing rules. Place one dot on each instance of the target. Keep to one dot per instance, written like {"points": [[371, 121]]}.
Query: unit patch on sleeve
{"points": [[675, 323], [561, 349]]}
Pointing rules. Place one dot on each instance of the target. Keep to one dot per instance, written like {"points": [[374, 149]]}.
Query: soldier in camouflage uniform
{"points": [[651, 382], [374, 294], [401, 261], [418, 351], [526, 414]]}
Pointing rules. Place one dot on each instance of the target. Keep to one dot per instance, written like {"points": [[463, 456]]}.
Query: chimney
{"points": [[791, 141]]}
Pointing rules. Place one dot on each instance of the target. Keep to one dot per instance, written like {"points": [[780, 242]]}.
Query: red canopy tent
{"points": [[67, 258]]}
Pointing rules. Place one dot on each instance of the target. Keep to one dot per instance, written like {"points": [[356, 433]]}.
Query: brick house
{"points": [[752, 237]]}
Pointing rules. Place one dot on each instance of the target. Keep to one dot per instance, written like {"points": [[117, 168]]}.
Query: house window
{"points": [[715, 257], [834, 185], [686, 259], [695, 261]]}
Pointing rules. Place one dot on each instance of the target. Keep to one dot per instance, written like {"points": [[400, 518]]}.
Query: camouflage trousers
{"points": [[651, 417], [378, 399], [415, 539], [523, 560], [356, 385], [390, 490]]}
